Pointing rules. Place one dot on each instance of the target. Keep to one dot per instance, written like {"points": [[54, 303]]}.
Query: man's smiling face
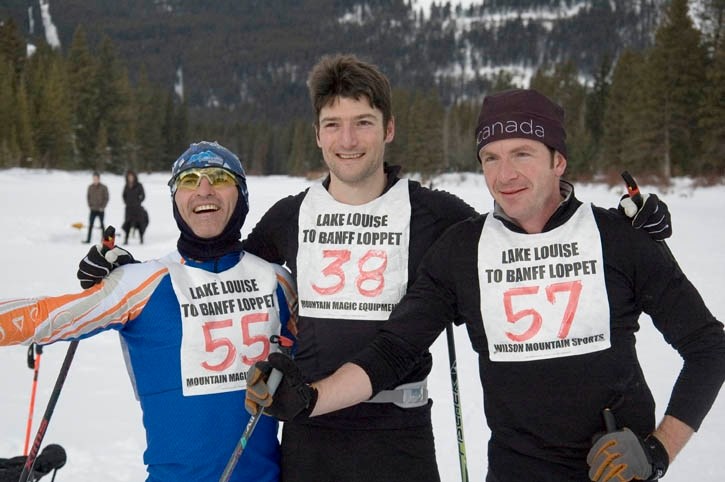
{"points": [[352, 137], [207, 209]]}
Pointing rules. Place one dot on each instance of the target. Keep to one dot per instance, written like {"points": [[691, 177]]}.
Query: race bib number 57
{"points": [[543, 295]]}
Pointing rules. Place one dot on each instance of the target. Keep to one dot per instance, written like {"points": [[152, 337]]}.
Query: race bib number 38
{"points": [[227, 320], [352, 261], [543, 295]]}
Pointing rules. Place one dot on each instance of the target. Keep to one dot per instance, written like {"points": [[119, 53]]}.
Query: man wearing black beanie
{"points": [[551, 290]]}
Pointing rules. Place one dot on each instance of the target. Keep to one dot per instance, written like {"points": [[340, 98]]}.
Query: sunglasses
{"points": [[216, 176]]}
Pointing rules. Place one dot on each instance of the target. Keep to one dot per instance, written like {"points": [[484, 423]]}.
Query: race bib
{"points": [[227, 320], [352, 261], [543, 295]]}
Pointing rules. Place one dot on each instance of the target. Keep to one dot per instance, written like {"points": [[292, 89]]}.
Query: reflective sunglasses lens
{"points": [[188, 180], [220, 177], [217, 177]]}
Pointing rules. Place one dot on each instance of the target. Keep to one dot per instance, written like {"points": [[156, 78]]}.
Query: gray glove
{"points": [[621, 456]]}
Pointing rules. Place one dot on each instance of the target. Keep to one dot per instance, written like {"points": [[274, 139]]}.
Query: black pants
{"points": [[314, 454], [91, 219]]}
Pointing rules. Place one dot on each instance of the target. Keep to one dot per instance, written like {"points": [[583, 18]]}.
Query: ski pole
{"points": [[638, 200], [457, 402], [275, 377], [30, 461], [34, 363], [109, 236], [456, 396], [610, 423]]}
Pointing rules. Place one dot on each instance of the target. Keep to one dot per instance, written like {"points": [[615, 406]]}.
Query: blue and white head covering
{"points": [[209, 154], [198, 156]]}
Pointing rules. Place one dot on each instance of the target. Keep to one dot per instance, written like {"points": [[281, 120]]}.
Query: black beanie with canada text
{"points": [[520, 113]]}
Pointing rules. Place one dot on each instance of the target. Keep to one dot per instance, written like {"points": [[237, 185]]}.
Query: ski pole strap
{"points": [[408, 395]]}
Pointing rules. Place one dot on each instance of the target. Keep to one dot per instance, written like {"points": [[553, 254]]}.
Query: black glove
{"points": [[622, 456], [293, 400], [96, 265], [653, 216], [52, 457]]}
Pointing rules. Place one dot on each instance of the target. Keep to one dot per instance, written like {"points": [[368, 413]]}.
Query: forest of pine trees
{"points": [[658, 112], [78, 110]]}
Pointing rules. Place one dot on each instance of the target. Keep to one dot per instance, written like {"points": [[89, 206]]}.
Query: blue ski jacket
{"points": [[188, 372]]}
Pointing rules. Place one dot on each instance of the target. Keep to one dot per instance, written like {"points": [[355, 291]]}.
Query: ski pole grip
{"points": [[109, 239], [274, 380], [632, 189], [610, 423], [275, 377]]}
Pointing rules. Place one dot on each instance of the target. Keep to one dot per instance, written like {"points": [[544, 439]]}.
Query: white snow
{"points": [[179, 83], [97, 419], [51, 32]]}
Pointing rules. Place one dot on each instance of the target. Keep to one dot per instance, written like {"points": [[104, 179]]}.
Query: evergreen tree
{"points": [[149, 119], [561, 83], [620, 123], [7, 107], [426, 137], [279, 144], [302, 157], [125, 116], [51, 113], [113, 101], [12, 46], [396, 151], [261, 140], [83, 90], [9, 150], [181, 127], [712, 115], [503, 80], [168, 133], [103, 159], [711, 15], [175, 129], [461, 144], [596, 105], [676, 72], [23, 125]]}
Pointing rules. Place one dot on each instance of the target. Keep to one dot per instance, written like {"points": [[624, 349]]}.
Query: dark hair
{"points": [[96, 173], [132, 173], [345, 75]]}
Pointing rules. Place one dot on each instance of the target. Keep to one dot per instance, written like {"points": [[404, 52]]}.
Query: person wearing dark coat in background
{"points": [[136, 215]]}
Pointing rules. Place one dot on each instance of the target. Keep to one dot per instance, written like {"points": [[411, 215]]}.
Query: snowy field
{"points": [[97, 419]]}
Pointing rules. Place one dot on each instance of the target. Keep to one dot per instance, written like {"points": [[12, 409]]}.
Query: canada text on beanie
{"points": [[520, 113]]}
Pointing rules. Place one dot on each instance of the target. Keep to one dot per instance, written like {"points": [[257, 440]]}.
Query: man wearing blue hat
{"points": [[191, 324]]}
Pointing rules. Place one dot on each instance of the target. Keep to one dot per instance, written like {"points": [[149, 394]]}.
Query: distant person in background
{"points": [[97, 197], [136, 216]]}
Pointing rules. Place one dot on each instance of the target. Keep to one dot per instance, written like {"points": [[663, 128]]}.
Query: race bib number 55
{"points": [[227, 320]]}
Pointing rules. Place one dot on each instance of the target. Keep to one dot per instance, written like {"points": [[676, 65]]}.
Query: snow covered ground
{"points": [[97, 419]]}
